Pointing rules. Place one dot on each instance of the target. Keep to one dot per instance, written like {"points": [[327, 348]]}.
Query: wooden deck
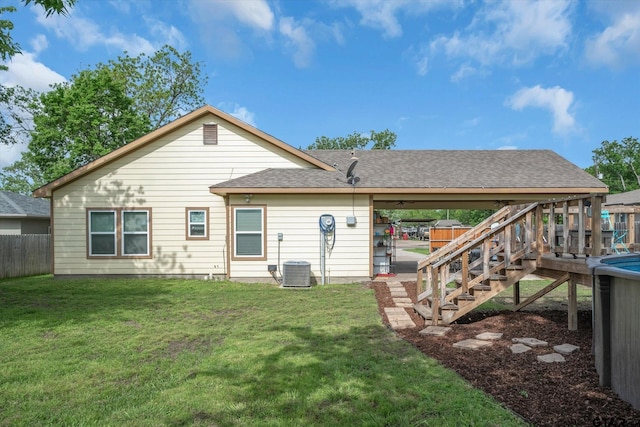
{"points": [[551, 239]]}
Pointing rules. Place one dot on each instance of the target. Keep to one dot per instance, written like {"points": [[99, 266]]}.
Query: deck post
{"points": [[631, 229], [596, 225], [552, 227], [572, 304], [581, 228], [465, 273], [516, 293], [565, 227], [539, 233]]}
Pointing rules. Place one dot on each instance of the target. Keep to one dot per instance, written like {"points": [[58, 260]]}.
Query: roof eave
{"points": [[223, 191]]}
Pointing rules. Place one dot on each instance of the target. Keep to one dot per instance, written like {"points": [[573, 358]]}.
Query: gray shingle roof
{"points": [[627, 198], [404, 169], [17, 205]]}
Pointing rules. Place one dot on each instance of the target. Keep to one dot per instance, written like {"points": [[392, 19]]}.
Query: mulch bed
{"points": [[544, 394]]}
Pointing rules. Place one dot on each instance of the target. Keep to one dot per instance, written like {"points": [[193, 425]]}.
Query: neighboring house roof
{"points": [[425, 171], [14, 205], [627, 198], [46, 190]]}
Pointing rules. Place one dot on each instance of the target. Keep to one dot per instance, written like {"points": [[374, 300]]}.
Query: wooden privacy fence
{"points": [[25, 255]]}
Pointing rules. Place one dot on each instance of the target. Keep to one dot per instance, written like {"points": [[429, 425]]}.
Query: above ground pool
{"points": [[616, 323]]}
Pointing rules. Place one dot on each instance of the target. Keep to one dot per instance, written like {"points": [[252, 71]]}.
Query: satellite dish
{"points": [[351, 176]]}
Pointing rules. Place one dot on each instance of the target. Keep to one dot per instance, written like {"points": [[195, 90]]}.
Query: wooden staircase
{"points": [[477, 266]]}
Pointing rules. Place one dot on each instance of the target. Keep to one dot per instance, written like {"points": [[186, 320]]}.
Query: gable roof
{"points": [[427, 171], [46, 190], [627, 198], [14, 205]]}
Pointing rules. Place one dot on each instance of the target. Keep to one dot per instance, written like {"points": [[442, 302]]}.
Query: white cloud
{"points": [[167, 33], [26, 71], [381, 14], [84, 33], [619, 43], [39, 43], [298, 40], [507, 147], [557, 100], [464, 72], [254, 13], [238, 112], [122, 6], [221, 23], [508, 32], [9, 154]]}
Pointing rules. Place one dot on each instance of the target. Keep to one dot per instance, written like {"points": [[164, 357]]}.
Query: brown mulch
{"points": [[544, 394]]}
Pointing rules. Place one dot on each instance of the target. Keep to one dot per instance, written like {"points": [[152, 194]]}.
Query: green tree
{"points": [[17, 107], [22, 176], [384, 140], [618, 163], [81, 120], [471, 217], [162, 86], [95, 112], [8, 47]]}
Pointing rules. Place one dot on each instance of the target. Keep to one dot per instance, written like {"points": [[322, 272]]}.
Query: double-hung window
{"points": [[119, 233], [248, 232], [102, 233], [135, 233], [197, 223]]}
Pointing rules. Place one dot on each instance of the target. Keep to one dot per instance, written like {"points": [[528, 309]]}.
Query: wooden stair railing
{"points": [[509, 251], [504, 249]]}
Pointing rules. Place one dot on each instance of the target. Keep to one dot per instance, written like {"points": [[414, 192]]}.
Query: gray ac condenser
{"points": [[296, 274]]}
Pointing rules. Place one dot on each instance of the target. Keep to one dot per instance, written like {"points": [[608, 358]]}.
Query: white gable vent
{"points": [[296, 274]]}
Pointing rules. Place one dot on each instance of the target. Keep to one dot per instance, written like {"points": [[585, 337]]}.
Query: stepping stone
{"points": [[566, 348], [398, 293], [489, 336], [399, 318], [403, 324], [551, 358], [472, 344], [403, 302], [435, 330], [519, 348], [531, 342], [395, 284]]}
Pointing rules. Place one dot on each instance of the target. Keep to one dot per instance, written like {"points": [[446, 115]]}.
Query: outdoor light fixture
{"points": [[247, 198]]}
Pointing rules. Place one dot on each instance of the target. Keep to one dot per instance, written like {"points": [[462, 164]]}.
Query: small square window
{"points": [[197, 223]]}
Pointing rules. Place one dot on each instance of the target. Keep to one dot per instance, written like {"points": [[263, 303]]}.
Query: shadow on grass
{"points": [[49, 301], [365, 376]]}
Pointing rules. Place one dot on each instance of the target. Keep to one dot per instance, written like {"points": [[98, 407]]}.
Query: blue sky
{"points": [[442, 74]]}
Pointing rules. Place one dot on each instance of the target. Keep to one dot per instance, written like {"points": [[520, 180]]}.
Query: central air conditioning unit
{"points": [[296, 274]]}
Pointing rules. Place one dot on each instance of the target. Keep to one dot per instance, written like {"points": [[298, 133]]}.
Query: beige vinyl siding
{"points": [[166, 175], [296, 216]]}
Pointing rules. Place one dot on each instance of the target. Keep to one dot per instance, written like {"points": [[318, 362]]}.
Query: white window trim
{"points": [[263, 216], [124, 233], [114, 233], [190, 236]]}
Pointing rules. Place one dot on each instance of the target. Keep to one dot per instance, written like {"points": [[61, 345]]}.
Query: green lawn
{"points": [[158, 352], [423, 251]]}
